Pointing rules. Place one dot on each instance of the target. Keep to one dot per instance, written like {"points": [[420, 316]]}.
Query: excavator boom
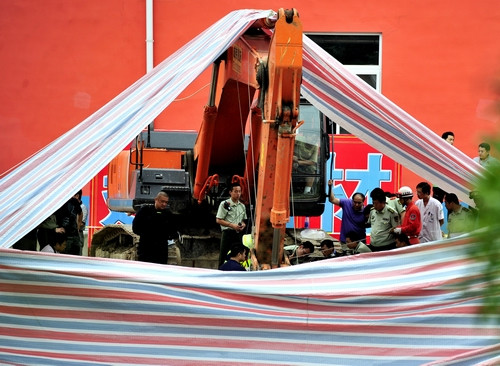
{"points": [[247, 135], [281, 112]]}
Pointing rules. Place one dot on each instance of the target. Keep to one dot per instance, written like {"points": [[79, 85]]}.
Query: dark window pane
{"points": [[350, 49], [370, 80]]}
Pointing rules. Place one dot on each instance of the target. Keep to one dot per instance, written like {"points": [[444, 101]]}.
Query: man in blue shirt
{"points": [[353, 218]]}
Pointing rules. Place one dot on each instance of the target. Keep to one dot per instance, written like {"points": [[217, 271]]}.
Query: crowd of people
{"points": [[419, 222], [61, 232], [394, 219]]}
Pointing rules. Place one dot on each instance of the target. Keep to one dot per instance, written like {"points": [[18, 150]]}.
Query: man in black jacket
{"points": [[155, 225], [68, 217]]}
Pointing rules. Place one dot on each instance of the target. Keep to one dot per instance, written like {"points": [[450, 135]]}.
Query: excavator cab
{"points": [[155, 161], [311, 151]]}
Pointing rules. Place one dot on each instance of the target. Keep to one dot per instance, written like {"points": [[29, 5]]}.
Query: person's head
{"points": [[352, 238], [377, 191], [423, 190], [78, 195], [449, 137], [59, 242], [405, 194], [235, 191], [161, 200], [451, 201], [357, 201], [305, 248], [402, 240], [378, 199], [484, 150], [238, 252], [327, 247]]}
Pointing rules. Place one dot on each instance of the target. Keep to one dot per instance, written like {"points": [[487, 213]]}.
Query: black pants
{"points": [[228, 238], [46, 236], [153, 253], [383, 247]]}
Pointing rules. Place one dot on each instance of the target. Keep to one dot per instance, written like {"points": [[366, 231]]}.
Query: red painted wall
{"points": [[61, 61], [64, 59]]}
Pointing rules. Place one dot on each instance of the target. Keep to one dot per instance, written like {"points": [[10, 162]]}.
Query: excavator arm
{"points": [[281, 99], [247, 135], [276, 77]]}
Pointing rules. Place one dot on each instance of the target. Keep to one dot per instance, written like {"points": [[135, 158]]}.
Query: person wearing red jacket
{"points": [[412, 223]]}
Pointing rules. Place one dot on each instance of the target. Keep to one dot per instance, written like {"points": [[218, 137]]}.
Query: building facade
{"points": [[63, 60]]}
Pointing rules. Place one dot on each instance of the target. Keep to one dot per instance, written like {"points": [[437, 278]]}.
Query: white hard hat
{"points": [[405, 192]]}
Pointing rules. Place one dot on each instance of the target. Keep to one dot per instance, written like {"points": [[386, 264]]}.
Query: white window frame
{"points": [[360, 69]]}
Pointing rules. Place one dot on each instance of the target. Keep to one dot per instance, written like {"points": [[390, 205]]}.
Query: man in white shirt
{"points": [[431, 213]]}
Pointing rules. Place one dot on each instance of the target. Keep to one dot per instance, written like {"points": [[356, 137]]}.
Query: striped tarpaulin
{"points": [[54, 174], [57, 172], [411, 306], [353, 104]]}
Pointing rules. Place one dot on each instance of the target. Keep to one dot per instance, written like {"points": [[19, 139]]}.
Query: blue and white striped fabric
{"points": [[412, 306], [54, 174], [353, 104], [57, 172]]}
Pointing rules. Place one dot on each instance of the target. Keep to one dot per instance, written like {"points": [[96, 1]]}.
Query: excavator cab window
{"points": [[309, 163]]}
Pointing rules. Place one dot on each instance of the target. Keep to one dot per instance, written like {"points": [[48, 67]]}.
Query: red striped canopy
{"points": [[56, 172], [411, 306]]}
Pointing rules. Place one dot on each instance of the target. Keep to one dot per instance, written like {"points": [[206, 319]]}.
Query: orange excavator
{"points": [[249, 137]]}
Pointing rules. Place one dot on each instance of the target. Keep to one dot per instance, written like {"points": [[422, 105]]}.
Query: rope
{"points": [[242, 129], [331, 158], [189, 96], [292, 198]]}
